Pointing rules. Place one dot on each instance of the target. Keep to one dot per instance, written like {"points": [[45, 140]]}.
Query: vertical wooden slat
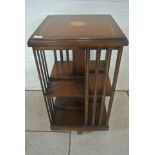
{"points": [[87, 57], [67, 55], [48, 110], [42, 86], [107, 64], [45, 63], [51, 105], [42, 69], [44, 66], [55, 55], [51, 108], [61, 55], [98, 53], [118, 60]]}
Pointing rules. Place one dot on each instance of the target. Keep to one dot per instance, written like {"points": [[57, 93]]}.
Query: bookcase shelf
{"points": [[64, 70], [76, 87], [70, 112]]}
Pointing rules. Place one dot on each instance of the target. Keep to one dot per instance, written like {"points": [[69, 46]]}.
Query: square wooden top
{"points": [[78, 29]]}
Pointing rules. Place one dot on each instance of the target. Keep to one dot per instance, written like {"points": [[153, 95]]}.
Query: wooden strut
{"points": [[44, 64], [51, 108], [55, 55], [42, 70], [118, 60], [107, 64], [44, 57], [98, 53], [67, 55], [87, 57], [61, 55]]}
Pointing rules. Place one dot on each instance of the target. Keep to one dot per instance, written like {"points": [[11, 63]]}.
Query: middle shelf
{"points": [[76, 88], [65, 69], [63, 82]]}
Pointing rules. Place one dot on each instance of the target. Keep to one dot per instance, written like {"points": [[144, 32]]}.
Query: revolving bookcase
{"points": [[76, 87]]}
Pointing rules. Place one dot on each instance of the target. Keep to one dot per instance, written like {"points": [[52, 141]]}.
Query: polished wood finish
{"points": [[78, 30], [73, 115], [75, 90], [66, 103], [79, 62], [107, 64], [65, 70], [87, 59], [98, 53]]}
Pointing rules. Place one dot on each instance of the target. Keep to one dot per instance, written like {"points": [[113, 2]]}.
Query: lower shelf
{"points": [[70, 112], [69, 117], [63, 103]]}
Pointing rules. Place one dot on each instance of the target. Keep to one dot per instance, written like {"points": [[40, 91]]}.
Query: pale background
{"points": [[37, 10]]}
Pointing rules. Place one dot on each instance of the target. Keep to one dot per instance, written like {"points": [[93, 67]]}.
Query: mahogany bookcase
{"points": [[75, 90]]}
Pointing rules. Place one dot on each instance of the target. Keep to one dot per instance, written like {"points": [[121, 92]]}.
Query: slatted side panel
{"points": [[62, 55], [99, 57], [40, 60], [42, 68], [104, 113]]}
